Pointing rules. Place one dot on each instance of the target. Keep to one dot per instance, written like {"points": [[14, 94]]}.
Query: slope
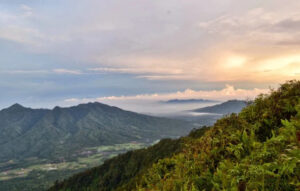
{"points": [[56, 134], [123, 171], [257, 149], [228, 107]]}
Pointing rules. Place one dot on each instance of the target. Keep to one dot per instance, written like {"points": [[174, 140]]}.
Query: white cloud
{"points": [[25, 7], [25, 71], [22, 35], [216, 41], [56, 71], [168, 77], [67, 71], [149, 102], [229, 92], [28, 11], [132, 70]]}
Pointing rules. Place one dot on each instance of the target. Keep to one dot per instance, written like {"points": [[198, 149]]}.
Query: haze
{"points": [[126, 52]]}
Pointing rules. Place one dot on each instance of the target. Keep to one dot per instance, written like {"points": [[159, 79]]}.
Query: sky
{"points": [[127, 52]]}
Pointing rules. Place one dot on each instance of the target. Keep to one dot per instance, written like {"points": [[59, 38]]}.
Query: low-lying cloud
{"points": [[151, 103]]}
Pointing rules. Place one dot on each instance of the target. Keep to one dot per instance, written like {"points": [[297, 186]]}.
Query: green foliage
{"points": [[255, 150], [120, 169], [124, 172]]}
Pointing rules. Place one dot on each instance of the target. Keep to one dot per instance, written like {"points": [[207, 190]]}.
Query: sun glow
{"points": [[235, 61], [287, 65]]}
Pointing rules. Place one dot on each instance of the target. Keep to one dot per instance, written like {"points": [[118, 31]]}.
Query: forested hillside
{"points": [[59, 133], [123, 171], [39, 146], [257, 149]]}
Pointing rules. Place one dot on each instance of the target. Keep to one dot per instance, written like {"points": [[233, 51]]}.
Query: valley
{"points": [[38, 174]]}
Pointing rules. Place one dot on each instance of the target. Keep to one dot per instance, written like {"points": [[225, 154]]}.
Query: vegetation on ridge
{"points": [[257, 149]]}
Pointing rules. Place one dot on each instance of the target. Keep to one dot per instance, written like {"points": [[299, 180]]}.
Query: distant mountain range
{"points": [[57, 133], [184, 101], [228, 107]]}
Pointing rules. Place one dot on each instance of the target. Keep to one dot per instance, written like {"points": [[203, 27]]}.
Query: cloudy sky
{"points": [[64, 52]]}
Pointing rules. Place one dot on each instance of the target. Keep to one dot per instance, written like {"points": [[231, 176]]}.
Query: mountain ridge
{"points": [[31, 130], [228, 107]]}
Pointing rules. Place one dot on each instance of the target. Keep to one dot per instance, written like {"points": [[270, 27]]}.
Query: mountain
{"points": [[228, 107], [257, 149], [17, 120], [56, 134], [185, 101]]}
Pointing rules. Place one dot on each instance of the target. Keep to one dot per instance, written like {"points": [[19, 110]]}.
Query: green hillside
{"points": [[228, 107], [257, 149], [39, 146], [123, 171], [58, 133]]}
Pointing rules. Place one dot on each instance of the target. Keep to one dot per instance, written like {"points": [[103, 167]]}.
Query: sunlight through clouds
{"points": [[164, 46]]}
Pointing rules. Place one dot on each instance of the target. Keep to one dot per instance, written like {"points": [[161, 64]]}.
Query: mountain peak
{"points": [[16, 106]]}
